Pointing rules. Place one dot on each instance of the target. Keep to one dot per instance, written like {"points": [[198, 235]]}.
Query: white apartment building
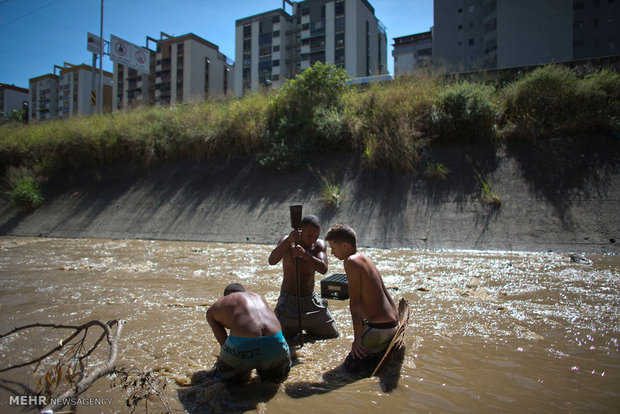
{"points": [[273, 46], [189, 69], [12, 98], [487, 34], [43, 97], [75, 86], [411, 52]]}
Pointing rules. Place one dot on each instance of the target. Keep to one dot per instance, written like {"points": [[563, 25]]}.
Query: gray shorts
{"points": [[316, 319]]}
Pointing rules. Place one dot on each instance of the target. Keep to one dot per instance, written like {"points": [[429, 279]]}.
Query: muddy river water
{"points": [[489, 331]]}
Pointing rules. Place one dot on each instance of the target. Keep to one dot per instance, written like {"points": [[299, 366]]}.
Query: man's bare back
{"points": [[246, 314], [377, 305]]}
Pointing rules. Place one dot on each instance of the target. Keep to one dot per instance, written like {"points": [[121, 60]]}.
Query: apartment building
{"points": [[43, 97], [12, 98], [75, 86], [132, 88], [189, 69], [412, 52], [481, 34], [273, 46]]}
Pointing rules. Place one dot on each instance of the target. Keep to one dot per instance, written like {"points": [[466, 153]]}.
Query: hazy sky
{"points": [[35, 35]]}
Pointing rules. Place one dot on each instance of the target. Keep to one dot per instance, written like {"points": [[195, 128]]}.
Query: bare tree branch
{"points": [[78, 328], [101, 371], [62, 372]]}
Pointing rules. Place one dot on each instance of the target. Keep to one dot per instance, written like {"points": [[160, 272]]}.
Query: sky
{"points": [[35, 35]]}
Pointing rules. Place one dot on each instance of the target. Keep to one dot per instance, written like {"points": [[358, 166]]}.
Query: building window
{"points": [[490, 26], [578, 43], [305, 26], [460, 26], [471, 25], [247, 44], [276, 33], [339, 23], [579, 5], [275, 77], [276, 48], [264, 38], [470, 42], [339, 8], [276, 19], [276, 63], [472, 8], [460, 10], [340, 39], [578, 24], [305, 11], [247, 31]]}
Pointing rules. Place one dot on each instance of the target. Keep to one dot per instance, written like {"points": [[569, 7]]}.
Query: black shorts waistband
{"points": [[381, 325]]}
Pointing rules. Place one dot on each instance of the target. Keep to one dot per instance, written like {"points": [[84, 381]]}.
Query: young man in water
{"points": [[255, 339], [305, 247], [374, 314]]}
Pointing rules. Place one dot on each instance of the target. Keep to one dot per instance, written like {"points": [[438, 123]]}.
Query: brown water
{"points": [[489, 331]]}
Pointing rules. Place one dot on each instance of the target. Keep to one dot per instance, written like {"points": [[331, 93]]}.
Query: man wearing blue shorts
{"points": [[255, 340]]}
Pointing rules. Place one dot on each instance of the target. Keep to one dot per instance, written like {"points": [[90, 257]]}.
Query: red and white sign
{"points": [[128, 54]]}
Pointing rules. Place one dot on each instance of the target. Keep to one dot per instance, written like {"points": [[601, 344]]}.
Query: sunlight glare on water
{"points": [[489, 331]]}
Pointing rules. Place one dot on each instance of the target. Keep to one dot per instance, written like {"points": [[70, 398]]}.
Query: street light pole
{"points": [[100, 100]]}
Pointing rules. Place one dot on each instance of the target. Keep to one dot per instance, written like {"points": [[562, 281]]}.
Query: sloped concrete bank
{"points": [[556, 195]]}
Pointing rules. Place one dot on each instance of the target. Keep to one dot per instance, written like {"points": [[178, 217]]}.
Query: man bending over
{"points": [[374, 314], [255, 339]]}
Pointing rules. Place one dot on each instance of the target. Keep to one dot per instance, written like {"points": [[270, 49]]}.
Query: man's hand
{"points": [[295, 236], [299, 251], [358, 350]]}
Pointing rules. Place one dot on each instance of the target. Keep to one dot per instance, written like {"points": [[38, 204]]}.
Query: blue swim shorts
{"points": [[269, 355]]}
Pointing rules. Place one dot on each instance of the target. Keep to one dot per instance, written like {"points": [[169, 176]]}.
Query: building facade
{"points": [[273, 46], [190, 69], [43, 97], [75, 86], [12, 98], [69, 93], [412, 52], [488, 34]]}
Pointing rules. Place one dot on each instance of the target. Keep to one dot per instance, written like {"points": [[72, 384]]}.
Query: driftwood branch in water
{"points": [[84, 379]]}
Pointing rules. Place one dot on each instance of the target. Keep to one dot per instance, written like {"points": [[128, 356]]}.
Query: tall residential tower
{"points": [[279, 44]]}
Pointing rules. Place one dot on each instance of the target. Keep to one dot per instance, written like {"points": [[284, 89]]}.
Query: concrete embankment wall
{"points": [[555, 195]]}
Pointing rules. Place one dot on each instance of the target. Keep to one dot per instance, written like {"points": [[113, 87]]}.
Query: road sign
{"points": [[126, 53], [93, 43]]}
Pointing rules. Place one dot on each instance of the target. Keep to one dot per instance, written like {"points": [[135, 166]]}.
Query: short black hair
{"points": [[311, 220], [232, 288], [341, 233]]}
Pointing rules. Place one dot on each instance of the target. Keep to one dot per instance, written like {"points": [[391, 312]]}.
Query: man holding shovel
{"points": [[302, 254]]}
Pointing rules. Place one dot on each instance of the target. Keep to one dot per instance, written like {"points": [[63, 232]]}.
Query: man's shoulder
{"points": [[319, 244]]}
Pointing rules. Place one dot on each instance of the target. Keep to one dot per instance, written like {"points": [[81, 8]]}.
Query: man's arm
{"points": [[318, 260], [353, 272], [218, 329], [283, 245]]}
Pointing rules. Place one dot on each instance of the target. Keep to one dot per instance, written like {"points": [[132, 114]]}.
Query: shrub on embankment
{"points": [[388, 124]]}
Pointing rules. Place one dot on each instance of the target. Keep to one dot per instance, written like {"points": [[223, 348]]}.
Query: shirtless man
{"points": [[374, 314], [304, 246], [255, 339]]}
